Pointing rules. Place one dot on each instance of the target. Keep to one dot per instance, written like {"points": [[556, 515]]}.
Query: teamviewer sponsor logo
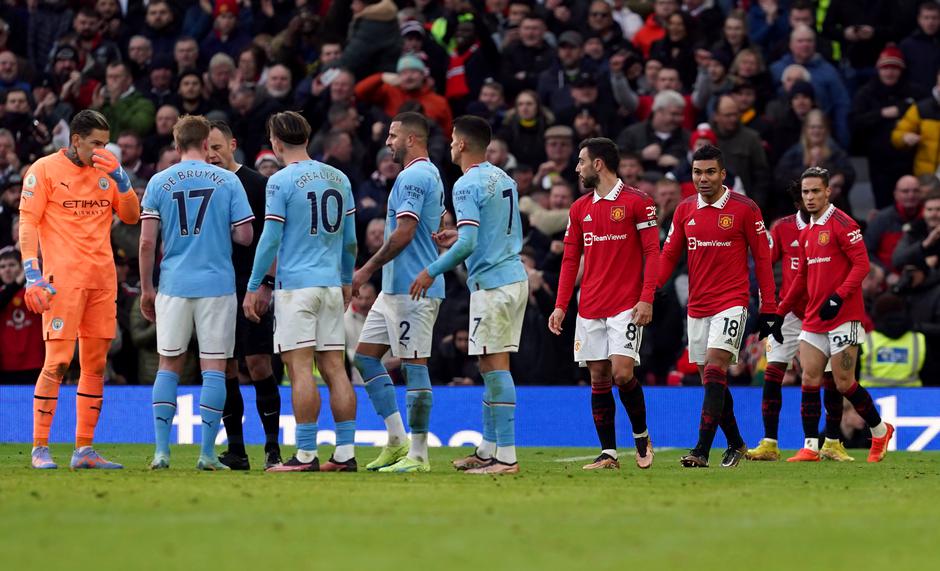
{"points": [[695, 243], [590, 238], [820, 260]]}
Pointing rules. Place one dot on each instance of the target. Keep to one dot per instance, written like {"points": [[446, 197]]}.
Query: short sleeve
{"points": [[465, 204], [240, 210], [644, 213], [275, 203], [150, 206], [35, 192], [411, 191]]}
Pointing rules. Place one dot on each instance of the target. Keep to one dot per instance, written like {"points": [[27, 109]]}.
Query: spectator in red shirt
{"points": [[21, 347], [655, 27], [886, 228]]}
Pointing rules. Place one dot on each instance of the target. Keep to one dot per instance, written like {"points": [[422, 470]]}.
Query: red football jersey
{"points": [[833, 259], [717, 237], [20, 336], [785, 248], [617, 235]]}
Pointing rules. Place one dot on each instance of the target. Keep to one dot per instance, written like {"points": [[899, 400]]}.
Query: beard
{"points": [[590, 181], [398, 155]]}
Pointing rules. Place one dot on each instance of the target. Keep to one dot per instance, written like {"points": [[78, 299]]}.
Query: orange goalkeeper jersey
{"points": [[73, 208]]}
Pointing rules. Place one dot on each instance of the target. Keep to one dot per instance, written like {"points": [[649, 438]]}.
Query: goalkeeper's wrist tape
{"points": [[32, 271]]}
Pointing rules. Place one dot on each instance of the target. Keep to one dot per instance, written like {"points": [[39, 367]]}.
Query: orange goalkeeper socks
{"points": [[45, 399], [88, 401]]}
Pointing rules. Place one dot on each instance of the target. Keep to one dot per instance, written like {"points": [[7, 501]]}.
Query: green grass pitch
{"points": [[762, 516]]}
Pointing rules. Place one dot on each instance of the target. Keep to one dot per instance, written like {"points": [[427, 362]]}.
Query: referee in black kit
{"points": [[253, 341]]}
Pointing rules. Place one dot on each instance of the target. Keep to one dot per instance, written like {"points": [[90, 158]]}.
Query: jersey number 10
{"points": [[320, 212]]}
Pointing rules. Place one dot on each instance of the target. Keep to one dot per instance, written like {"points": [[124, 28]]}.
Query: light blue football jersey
{"points": [[197, 204], [487, 197], [315, 203], [419, 193]]}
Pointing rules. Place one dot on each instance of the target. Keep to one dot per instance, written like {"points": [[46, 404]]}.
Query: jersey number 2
{"points": [[180, 197], [320, 213]]}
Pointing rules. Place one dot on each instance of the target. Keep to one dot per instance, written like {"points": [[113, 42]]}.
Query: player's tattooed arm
{"points": [[397, 241]]}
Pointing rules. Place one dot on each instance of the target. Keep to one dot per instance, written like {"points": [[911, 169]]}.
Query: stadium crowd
{"points": [[777, 85]]}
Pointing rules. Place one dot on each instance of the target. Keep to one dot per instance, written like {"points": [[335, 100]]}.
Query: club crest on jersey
{"points": [[823, 237], [618, 213], [726, 221], [57, 324], [30, 181], [577, 345], [103, 183]]}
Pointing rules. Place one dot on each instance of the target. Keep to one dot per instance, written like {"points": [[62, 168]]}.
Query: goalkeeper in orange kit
{"points": [[67, 208]]}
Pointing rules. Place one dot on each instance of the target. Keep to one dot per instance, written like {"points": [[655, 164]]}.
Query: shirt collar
{"points": [[413, 161], [799, 221], [721, 201], [612, 195], [824, 218]]}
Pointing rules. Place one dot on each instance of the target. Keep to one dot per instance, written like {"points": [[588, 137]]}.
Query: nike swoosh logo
{"points": [[207, 423], [165, 420], [270, 413]]}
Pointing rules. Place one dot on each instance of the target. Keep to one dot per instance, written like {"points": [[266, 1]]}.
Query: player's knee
{"points": [[55, 370], [623, 377], [259, 367]]}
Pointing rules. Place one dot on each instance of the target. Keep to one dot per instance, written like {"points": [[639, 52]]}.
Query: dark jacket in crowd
{"points": [[374, 42]]}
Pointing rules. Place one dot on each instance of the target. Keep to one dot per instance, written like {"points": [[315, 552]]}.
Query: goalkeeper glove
{"points": [[770, 324], [106, 162], [830, 308], [38, 290]]}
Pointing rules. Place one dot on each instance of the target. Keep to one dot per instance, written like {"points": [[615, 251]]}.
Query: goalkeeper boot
{"points": [[879, 446], [42, 459], [160, 462], [766, 451], [210, 464], [835, 451], [389, 456], [235, 461], [86, 458], [407, 465], [472, 461], [804, 455]]}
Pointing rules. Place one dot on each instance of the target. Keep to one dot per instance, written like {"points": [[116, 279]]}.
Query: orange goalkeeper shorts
{"points": [[79, 312]]}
